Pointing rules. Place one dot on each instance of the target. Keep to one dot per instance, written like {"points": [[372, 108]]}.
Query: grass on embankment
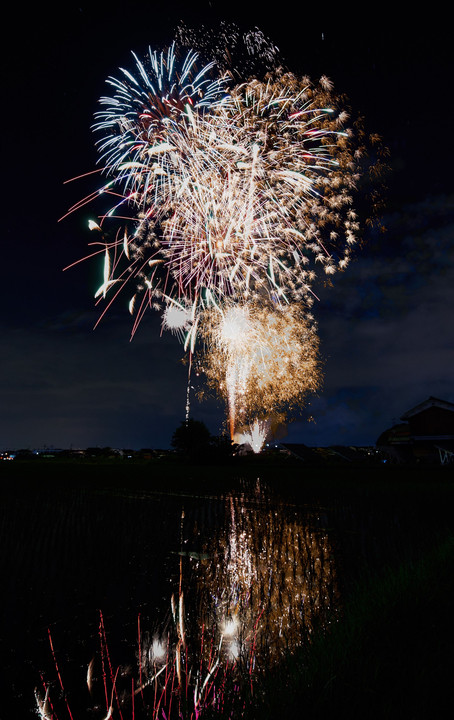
{"points": [[389, 656]]}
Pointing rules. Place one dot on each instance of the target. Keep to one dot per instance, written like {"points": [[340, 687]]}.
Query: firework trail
{"points": [[235, 192]]}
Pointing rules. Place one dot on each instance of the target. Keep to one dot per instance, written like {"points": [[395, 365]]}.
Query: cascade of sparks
{"points": [[237, 195], [255, 436], [262, 359]]}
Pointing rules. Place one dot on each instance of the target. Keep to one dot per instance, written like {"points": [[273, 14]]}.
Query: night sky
{"points": [[386, 329]]}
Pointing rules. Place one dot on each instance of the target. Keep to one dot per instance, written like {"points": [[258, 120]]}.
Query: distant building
{"points": [[425, 435], [330, 454]]}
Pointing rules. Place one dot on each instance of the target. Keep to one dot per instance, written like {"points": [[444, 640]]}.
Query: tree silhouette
{"points": [[191, 438]]}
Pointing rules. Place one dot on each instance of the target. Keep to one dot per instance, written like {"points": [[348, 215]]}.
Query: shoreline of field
{"points": [[291, 476]]}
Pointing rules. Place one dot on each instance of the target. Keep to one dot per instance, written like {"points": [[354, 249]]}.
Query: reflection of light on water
{"points": [[230, 630], [233, 650], [42, 705], [238, 561], [270, 563], [158, 651], [250, 593], [230, 627]]}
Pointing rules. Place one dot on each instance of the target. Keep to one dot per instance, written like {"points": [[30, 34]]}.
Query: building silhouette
{"points": [[426, 434]]}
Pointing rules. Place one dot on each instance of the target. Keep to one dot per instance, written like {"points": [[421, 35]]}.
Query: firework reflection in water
{"points": [[169, 678], [237, 608], [273, 573]]}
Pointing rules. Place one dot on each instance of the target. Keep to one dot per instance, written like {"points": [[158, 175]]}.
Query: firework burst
{"points": [[238, 193], [260, 359], [136, 119], [256, 193]]}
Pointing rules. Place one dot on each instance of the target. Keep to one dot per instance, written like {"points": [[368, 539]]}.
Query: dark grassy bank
{"points": [[389, 656], [284, 475]]}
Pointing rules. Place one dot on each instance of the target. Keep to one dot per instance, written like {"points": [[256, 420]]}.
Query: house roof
{"points": [[396, 435], [299, 450], [430, 402]]}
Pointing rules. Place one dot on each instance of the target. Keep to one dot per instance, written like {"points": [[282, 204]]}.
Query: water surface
{"points": [[238, 578]]}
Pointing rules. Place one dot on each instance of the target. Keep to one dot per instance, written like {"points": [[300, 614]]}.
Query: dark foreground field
{"points": [[389, 653], [284, 474]]}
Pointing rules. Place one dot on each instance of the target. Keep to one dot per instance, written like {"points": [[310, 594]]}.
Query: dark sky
{"points": [[386, 326]]}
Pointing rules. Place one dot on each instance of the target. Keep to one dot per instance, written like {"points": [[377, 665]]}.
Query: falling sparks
{"points": [[261, 359], [255, 436]]}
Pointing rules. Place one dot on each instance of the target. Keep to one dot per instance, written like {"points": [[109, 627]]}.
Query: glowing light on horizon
{"points": [[254, 436]]}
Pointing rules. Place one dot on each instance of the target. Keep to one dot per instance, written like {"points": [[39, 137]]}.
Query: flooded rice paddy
{"points": [[149, 602]]}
